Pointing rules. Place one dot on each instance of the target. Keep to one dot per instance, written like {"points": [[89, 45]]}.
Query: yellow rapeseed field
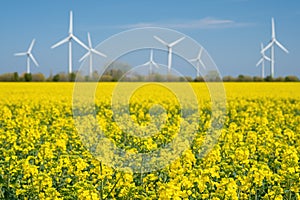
{"points": [[43, 154]]}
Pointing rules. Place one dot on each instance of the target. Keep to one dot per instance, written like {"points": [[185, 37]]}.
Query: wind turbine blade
{"points": [[176, 42], [200, 61], [259, 62], [60, 42], [266, 47], [80, 43], [281, 46], [263, 53], [71, 23], [98, 53], [155, 64], [200, 53], [20, 54], [193, 60], [84, 56], [273, 28], [33, 59], [31, 45], [266, 58], [160, 40], [261, 46], [89, 41], [146, 64]]}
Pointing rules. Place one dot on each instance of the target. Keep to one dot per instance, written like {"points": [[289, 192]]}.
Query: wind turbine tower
{"points": [[29, 56], [90, 53], [198, 61], [68, 40], [151, 63], [170, 50], [271, 45], [262, 61]]}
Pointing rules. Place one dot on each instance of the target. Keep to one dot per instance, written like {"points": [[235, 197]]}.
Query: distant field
{"points": [[256, 156], [65, 90]]}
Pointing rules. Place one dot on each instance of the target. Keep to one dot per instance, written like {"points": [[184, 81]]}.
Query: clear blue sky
{"points": [[230, 30]]}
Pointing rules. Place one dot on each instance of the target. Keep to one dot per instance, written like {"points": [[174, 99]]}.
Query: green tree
{"points": [[269, 79], [199, 79], [39, 77], [16, 76], [280, 79], [258, 79], [212, 75], [243, 78], [72, 77], [6, 77], [28, 77], [291, 78], [106, 78], [56, 78], [185, 79], [229, 79]]}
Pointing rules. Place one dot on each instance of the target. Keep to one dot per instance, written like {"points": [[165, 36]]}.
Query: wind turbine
{"points": [[29, 56], [169, 46], [69, 39], [198, 61], [262, 61], [90, 52], [271, 45], [151, 63]]}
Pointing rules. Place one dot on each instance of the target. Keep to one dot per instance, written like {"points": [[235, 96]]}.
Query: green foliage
{"points": [[291, 78], [212, 75], [28, 77], [118, 72], [72, 77], [280, 79], [55, 78], [229, 79], [16, 76], [39, 77], [7, 77], [269, 79], [185, 79], [243, 78], [199, 79], [257, 79], [106, 78]]}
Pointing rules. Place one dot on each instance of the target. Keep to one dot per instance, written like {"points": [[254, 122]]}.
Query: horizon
{"points": [[77, 76]]}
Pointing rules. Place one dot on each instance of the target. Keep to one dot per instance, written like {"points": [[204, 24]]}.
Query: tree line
{"points": [[114, 75]]}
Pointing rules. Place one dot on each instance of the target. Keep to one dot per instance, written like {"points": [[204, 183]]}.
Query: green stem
{"points": [[101, 190], [255, 193], [290, 193], [113, 188], [141, 172]]}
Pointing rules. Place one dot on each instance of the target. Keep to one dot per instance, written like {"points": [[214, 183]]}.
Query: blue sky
{"points": [[230, 30]]}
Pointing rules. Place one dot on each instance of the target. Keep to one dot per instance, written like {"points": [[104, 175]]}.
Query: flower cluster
{"points": [[44, 156]]}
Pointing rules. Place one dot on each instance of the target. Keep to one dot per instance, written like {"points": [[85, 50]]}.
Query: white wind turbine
{"points": [[169, 46], [262, 61], [29, 56], [90, 53], [271, 45], [151, 63], [69, 39], [198, 61]]}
